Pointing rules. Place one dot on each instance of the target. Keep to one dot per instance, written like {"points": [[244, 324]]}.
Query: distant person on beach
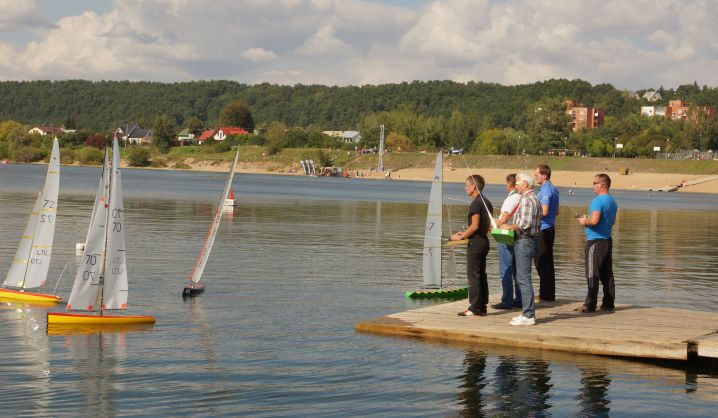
{"points": [[527, 224], [507, 265], [599, 245], [479, 221], [548, 197]]}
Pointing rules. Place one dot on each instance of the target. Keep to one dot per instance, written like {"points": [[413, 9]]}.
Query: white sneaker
{"points": [[522, 320], [519, 316]]}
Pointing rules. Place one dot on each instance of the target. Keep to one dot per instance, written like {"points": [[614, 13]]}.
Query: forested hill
{"points": [[104, 104]]}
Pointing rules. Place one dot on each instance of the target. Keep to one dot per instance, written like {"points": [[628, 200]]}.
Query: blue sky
{"points": [[631, 44]]}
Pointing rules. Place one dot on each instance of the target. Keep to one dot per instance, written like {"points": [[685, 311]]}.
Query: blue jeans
{"points": [[524, 251], [507, 272]]}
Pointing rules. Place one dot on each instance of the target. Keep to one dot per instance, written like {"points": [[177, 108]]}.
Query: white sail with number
{"points": [[432, 231], [32, 258], [102, 186], [115, 275], [87, 289], [201, 261]]}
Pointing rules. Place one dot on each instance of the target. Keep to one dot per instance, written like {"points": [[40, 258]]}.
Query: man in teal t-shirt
{"points": [[599, 245]]}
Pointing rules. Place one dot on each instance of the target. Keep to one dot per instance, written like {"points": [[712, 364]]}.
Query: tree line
{"points": [[484, 118]]}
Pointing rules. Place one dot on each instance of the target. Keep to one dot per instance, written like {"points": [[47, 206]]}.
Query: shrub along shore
{"points": [[626, 173]]}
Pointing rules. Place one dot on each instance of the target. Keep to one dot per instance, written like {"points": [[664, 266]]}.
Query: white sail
{"points": [[104, 178], [209, 241], [432, 231], [85, 290], [114, 294], [31, 263], [16, 275]]}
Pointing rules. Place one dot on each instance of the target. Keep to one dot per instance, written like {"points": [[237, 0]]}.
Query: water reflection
{"points": [[96, 358], [473, 382], [24, 333], [517, 387], [593, 400]]}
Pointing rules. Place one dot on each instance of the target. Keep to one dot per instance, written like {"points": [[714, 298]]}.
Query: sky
{"points": [[631, 44]]}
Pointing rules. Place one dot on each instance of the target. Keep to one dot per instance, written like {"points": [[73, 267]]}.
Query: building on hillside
{"points": [[347, 137], [333, 134], [583, 117], [185, 137], [679, 110], [650, 95], [653, 111], [350, 137], [134, 133], [221, 133], [46, 130]]}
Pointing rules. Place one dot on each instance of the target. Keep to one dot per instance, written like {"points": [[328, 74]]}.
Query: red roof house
{"points": [[219, 134]]}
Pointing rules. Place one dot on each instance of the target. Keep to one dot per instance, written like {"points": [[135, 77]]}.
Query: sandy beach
{"points": [[633, 181]]}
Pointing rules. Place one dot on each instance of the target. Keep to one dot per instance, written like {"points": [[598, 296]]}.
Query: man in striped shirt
{"points": [[527, 226]]}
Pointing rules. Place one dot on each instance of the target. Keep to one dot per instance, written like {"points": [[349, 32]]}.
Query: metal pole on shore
{"points": [[381, 149]]}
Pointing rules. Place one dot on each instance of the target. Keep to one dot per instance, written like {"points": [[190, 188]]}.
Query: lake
{"points": [[295, 266]]}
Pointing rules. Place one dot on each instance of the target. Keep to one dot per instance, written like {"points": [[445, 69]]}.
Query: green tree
{"points": [[70, 122], [487, 143], [399, 142], [139, 157], [90, 156], [194, 125], [163, 133], [461, 130], [237, 114], [275, 137], [547, 123]]}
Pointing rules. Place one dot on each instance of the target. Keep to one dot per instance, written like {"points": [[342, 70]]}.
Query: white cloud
{"points": [[259, 55], [324, 42], [21, 13], [632, 44], [16, 12]]}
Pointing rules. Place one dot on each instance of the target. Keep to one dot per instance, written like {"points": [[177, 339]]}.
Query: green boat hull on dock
{"points": [[457, 293]]}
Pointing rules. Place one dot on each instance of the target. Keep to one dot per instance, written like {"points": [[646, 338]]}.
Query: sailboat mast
{"points": [[103, 255]]}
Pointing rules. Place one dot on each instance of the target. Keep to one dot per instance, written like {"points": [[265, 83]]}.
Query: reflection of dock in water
{"points": [[630, 331]]}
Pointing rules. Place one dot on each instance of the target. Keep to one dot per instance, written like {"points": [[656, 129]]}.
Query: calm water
{"points": [[297, 265]]}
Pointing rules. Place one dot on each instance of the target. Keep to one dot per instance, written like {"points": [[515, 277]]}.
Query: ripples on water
{"points": [[299, 262]]}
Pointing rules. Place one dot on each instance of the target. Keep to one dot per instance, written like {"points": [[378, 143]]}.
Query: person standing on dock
{"points": [[548, 197], [599, 245], [479, 221], [527, 224], [507, 265]]}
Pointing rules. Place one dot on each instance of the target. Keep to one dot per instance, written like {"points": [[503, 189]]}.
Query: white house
{"points": [[46, 130], [351, 137], [650, 95], [653, 111]]}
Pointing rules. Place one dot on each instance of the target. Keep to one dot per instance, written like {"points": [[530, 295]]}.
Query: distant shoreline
{"points": [[695, 183], [564, 179]]}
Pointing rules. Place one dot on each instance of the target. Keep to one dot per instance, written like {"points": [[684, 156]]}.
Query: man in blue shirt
{"points": [[548, 197], [599, 245]]}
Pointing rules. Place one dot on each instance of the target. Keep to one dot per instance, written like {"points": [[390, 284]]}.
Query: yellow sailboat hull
{"points": [[57, 318], [28, 296]]}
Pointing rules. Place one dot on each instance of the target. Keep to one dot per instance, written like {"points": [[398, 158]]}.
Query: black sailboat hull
{"points": [[193, 289]]}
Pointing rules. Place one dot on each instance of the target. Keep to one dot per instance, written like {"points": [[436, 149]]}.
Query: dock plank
{"points": [[629, 331], [707, 345]]}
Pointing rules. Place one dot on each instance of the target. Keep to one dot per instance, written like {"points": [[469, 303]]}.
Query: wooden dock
{"points": [[629, 331]]}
